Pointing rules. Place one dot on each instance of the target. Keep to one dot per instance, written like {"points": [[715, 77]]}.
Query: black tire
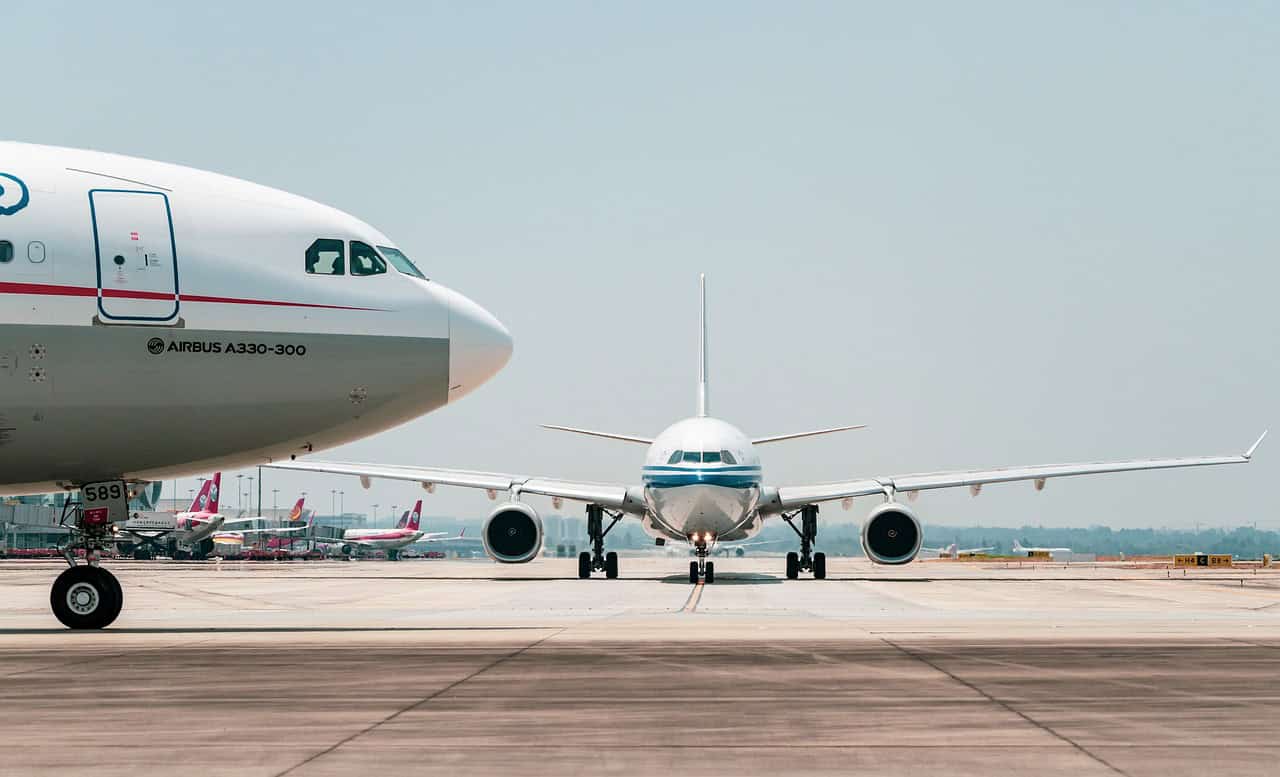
{"points": [[141, 553], [793, 565], [710, 576], [611, 565], [85, 597], [393, 555], [584, 565], [693, 572], [819, 566], [118, 592]]}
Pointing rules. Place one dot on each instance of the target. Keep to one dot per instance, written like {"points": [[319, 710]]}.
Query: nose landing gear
{"points": [[806, 560], [702, 569], [596, 560], [85, 596]]}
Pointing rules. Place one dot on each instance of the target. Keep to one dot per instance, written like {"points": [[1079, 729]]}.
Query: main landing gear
{"points": [[596, 560], [86, 596], [706, 570], [806, 560]]}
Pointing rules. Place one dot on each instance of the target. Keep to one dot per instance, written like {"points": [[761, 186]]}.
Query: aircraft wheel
{"points": [[793, 565], [819, 566], [584, 565], [611, 565], [693, 572], [142, 554], [85, 597], [710, 576]]}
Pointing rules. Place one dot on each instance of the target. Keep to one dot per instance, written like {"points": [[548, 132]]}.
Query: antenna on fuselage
{"points": [[703, 403]]}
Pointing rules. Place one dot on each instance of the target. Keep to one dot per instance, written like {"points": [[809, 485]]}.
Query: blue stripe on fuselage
{"points": [[703, 478]]}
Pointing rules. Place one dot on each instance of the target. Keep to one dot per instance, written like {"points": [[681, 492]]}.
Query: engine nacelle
{"points": [[891, 534], [512, 533]]}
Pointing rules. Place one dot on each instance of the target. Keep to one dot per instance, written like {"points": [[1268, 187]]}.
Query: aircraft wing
{"points": [[606, 494], [276, 530], [233, 521], [790, 497]]}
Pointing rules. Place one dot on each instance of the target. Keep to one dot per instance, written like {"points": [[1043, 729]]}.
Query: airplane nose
{"points": [[479, 345]]}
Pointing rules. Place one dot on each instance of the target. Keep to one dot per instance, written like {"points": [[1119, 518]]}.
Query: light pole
{"points": [[333, 501], [250, 493], [342, 506], [275, 506], [239, 492]]}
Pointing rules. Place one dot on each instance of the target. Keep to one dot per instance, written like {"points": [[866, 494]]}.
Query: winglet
{"points": [[1249, 453]]}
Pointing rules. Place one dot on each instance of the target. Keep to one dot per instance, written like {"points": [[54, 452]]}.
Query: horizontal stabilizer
{"points": [[814, 433], [606, 435]]}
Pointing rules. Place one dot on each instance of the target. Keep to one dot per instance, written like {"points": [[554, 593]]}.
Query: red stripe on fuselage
{"points": [[53, 290]]}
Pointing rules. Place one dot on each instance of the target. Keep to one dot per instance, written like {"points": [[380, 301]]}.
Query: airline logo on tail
{"points": [[296, 513], [207, 500], [415, 517], [404, 520]]}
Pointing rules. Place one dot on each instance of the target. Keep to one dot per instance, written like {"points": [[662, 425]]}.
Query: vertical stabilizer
{"points": [[703, 401], [415, 517], [207, 500]]}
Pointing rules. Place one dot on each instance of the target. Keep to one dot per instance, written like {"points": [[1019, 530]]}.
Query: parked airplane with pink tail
{"points": [[189, 534], [390, 540]]}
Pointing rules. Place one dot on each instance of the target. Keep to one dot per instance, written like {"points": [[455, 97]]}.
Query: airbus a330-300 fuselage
{"points": [[158, 321]]}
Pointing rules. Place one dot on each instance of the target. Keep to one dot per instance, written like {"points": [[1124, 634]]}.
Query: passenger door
{"points": [[136, 254]]}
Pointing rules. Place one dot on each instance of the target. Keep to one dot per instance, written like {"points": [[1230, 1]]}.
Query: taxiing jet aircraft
{"points": [[702, 483], [191, 321]]}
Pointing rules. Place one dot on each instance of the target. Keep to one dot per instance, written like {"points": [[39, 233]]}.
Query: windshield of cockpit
{"points": [[401, 262]]}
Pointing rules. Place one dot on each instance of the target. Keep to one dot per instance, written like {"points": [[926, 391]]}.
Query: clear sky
{"points": [[999, 233]]}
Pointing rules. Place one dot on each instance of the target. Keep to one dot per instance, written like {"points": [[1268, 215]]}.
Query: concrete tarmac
{"points": [[469, 668]]}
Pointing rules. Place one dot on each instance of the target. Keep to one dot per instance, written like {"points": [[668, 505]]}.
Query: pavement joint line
{"points": [[420, 702], [691, 604], [1130, 684], [1007, 706], [100, 657]]}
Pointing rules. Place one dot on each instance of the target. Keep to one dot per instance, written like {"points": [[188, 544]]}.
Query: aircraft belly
{"points": [[727, 512], [86, 403]]}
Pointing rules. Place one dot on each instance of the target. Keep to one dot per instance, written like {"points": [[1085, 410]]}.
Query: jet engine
{"points": [[891, 534], [512, 533]]}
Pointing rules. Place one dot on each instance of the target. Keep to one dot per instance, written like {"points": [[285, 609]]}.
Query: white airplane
{"points": [[159, 321], [955, 551], [232, 542], [702, 483], [1018, 550], [392, 541]]}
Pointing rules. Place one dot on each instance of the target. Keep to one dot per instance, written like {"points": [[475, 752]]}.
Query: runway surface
{"points": [[467, 668]]}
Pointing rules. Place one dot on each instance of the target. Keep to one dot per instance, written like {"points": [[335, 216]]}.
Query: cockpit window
{"points": [[727, 457], [710, 457], [675, 457], [693, 456], [326, 257], [365, 260], [401, 262]]}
